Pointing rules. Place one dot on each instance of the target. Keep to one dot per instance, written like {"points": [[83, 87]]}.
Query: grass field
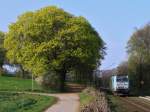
{"points": [[14, 102], [19, 84], [19, 102]]}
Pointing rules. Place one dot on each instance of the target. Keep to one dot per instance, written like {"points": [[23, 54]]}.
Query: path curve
{"points": [[66, 103]]}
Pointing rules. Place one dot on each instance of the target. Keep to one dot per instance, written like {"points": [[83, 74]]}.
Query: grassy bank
{"points": [[85, 98], [92, 100], [118, 105], [14, 102], [114, 103]]}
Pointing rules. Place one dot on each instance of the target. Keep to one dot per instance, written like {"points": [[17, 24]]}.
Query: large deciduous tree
{"points": [[51, 39], [139, 58]]}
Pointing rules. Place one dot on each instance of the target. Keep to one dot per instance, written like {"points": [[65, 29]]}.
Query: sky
{"points": [[114, 20]]}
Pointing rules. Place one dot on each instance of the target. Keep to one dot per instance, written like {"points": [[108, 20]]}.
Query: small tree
{"points": [[51, 39]]}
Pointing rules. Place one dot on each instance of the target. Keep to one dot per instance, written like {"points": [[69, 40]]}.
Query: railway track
{"points": [[136, 104], [130, 103]]}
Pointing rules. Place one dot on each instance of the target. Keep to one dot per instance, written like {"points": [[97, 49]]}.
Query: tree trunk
{"points": [[22, 72], [140, 75], [62, 80]]}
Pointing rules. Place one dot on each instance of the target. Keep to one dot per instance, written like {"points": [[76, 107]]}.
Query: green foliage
{"points": [[139, 59], [51, 39], [14, 102], [2, 35]]}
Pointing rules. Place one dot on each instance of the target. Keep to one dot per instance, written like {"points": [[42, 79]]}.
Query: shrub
{"points": [[1, 71], [49, 80]]}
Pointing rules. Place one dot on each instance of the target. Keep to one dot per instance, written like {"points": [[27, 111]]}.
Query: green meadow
{"points": [[16, 102]]}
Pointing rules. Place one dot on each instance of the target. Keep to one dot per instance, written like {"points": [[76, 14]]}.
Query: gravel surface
{"points": [[66, 103]]}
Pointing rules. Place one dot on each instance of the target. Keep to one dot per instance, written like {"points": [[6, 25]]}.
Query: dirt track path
{"points": [[66, 103]]}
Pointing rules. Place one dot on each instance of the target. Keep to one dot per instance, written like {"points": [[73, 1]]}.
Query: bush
{"points": [[1, 71], [49, 80]]}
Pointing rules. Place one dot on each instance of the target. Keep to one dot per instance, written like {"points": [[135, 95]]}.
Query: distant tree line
{"points": [[138, 64], [139, 60]]}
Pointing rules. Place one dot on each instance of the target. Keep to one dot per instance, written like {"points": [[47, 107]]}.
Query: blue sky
{"points": [[115, 20]]}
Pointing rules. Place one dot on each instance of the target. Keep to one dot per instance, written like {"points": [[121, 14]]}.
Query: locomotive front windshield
{"points": [[122, 79]]}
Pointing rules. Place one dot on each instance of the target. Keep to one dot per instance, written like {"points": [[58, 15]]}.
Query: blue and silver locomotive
{"points": [[119, 84]]}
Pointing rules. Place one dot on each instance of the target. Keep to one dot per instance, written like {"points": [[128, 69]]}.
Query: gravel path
{"points": [[66, 103]]}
